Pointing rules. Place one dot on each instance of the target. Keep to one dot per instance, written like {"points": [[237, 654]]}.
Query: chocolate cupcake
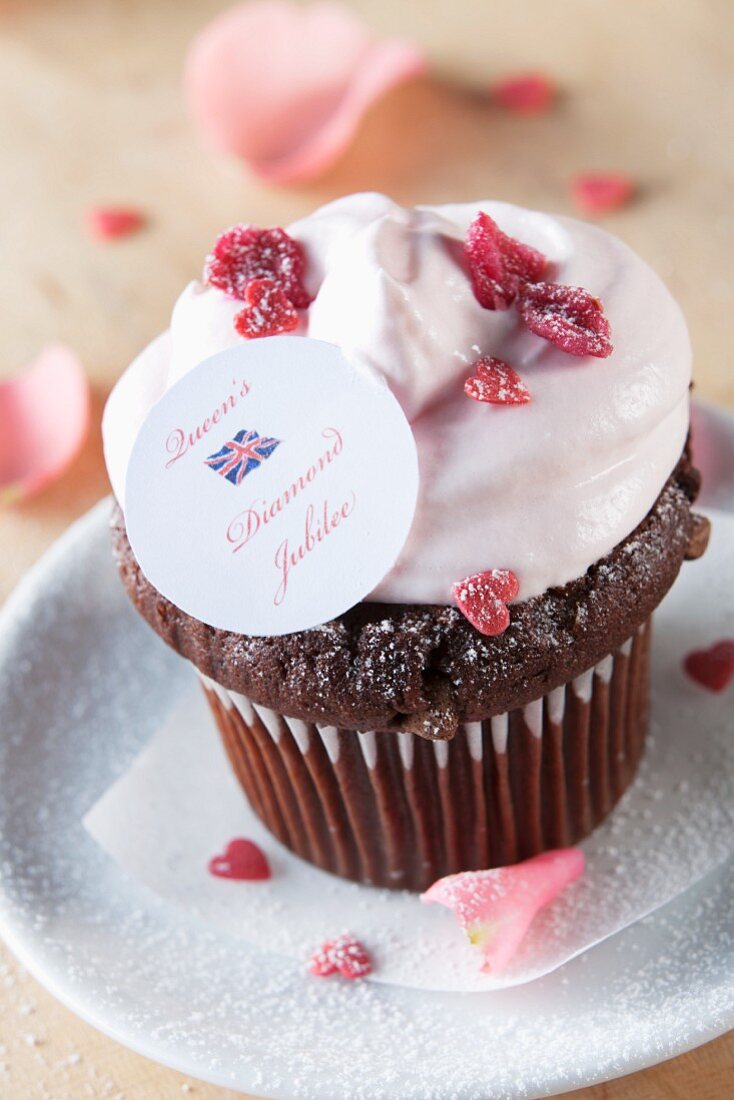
{"points": [[489, 699]]}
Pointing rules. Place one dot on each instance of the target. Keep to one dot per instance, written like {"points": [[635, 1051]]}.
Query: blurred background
{"points": [[92, 114]]}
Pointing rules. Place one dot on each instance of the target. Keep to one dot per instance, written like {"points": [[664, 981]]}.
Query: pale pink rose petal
{"points": [[285, 86], [44, 418], [496, 907]]}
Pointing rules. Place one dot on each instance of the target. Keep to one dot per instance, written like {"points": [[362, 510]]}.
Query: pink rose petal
{"points": [[496, 907], [44, 417], [285, 86], [241, 859]]}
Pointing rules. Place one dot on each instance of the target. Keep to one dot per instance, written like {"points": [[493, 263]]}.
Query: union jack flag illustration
{"points": [[241, 455]]}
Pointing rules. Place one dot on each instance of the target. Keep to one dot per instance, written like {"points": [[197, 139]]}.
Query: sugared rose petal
{"points": [[568, 317], [285, 86], [344, 955], [44, 418], [525, 93], [242, 860], [267, 311], [495, 908], [712, 668], [107, 223], [482, 599], [244, 253], [601, 192], [495, 382], [499, 265]]}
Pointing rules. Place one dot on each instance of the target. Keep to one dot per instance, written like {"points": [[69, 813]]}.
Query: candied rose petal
{"points": [[285, 86], [267, 312], [244, 253], [482, 599], [107, 223], [601, 192], [345, 955], [499, 265], [712, 668], [44, 419], [495, 908], [567, 316], [242, 860], [496, 383], [525, 93]]}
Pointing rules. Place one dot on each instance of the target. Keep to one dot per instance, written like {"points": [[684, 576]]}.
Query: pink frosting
{"points": [[544, 489]]}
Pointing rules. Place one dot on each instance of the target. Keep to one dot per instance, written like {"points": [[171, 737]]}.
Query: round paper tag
{"points": [[272, 487]]}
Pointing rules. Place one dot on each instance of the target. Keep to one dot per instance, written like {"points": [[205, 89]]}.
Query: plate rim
{"points": [[22, 946]]}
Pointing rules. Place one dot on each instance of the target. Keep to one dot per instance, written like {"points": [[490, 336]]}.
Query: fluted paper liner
{"points": [[393, 809]]}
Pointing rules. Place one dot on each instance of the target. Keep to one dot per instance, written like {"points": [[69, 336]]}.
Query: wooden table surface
{"points": [[90, 111]]}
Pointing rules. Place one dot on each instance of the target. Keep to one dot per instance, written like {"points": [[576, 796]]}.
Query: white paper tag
{"points": [[271, 488]]}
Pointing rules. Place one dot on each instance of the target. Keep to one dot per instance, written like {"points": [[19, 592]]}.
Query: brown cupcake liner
{"points": [[394, 809]]}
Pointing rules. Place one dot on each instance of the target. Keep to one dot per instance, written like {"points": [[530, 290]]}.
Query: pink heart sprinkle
{"points": [[482, 599], [712, 668], [495, 908], [243, 860]]}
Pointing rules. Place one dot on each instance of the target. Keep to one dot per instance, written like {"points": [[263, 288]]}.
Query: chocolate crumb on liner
{"points": [[397, 810]]}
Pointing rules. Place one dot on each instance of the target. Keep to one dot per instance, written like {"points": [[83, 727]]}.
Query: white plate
{"points": [[83, 685]]}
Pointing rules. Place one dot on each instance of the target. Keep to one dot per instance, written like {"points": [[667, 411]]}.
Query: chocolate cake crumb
{"points": [[700, 536]]}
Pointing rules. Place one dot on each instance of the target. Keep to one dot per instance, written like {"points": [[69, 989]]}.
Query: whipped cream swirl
{"points": [[544, 489]]}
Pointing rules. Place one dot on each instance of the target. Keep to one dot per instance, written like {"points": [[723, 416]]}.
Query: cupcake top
{"points": [[545, 487]]}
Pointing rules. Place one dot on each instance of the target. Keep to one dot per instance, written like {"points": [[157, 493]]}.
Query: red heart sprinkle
{"points": [[243, 860], [482, 597], [712, 668], [107, 223], [344, 955], [245, 253], [568, 316], [499, 265], [525, 93], [601, 192], [495, 382], [267, 311]]}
